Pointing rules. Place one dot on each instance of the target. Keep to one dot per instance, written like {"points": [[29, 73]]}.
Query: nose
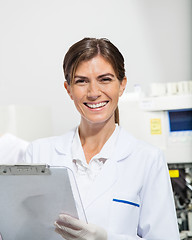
{"points": [[93, 91]]}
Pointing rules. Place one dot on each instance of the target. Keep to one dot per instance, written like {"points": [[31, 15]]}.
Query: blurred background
{"points": [[154, 36]]}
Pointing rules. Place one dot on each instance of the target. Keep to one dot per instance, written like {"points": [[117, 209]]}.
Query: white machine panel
{"points": [[165, 122]]}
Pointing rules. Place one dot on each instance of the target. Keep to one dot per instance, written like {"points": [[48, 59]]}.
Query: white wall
{"points": [[153, 35]]}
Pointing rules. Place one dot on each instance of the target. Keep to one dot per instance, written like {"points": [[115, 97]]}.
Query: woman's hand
{"points": [[71, 228]]}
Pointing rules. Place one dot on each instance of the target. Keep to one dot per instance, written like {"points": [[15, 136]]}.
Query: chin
{"points": [[98, 120]]}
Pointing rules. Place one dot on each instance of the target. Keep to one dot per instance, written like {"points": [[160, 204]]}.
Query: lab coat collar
{"points": [[125, 144], [63, 149], [63, 143], [105, 153]]}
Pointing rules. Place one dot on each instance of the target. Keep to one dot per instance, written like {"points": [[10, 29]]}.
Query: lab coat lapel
{"points": [[63, 149], [65, 160], [108, 176], [103, 182]]}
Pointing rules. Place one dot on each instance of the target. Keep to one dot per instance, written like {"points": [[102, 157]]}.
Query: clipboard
{"points": [[32, 197]]}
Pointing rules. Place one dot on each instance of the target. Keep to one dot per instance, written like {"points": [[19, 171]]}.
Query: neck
{"points": [[94, 136]]}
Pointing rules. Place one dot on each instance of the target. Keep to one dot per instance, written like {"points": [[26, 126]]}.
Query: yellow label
{"points": [[174, 173], [156, 126]]}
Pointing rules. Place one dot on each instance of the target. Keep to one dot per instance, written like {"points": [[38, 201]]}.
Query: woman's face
{"points": [[95, 90]]}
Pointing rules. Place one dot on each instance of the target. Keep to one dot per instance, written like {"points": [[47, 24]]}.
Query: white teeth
{"points": [[96, 105]]}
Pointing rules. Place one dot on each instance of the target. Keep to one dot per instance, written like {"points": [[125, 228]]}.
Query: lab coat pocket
{"points": [[124, 214]]}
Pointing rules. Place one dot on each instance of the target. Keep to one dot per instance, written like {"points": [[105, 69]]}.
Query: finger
{"points": [[72, 232], [72, 222], [65, 235], [66, 223]]}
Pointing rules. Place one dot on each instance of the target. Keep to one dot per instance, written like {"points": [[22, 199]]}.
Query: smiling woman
{"points": [[87, 49], [95, 91], [123, 182]]}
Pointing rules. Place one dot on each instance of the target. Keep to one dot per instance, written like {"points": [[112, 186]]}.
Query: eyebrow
{"points": [[100, 76], [105, 75], [78, 76]]}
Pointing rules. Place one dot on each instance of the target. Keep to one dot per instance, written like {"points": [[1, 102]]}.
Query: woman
{"points": [[123, 182]]}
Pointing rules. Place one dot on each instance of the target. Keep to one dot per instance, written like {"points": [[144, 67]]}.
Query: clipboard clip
{"points": [[25, 170]]}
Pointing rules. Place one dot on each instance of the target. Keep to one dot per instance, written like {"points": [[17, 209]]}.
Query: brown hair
{"points": [[89, 48]]}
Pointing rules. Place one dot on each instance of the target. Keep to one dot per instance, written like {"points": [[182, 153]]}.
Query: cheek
{"points": [[114, 93], [78, 101], [76, 95]]}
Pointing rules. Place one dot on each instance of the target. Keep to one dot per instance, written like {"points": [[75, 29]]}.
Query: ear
{"points": [[68, 88], [122, 86]]}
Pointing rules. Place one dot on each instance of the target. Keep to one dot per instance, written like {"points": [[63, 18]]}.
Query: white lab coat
{"points": [[12, 149], [131, 197]]}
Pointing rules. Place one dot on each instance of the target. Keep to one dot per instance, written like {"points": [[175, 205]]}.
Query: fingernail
{"points": [[62, 216], [56, 224]]}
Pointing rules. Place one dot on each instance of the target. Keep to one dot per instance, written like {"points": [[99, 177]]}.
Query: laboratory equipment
{"points": [[164, 119]]}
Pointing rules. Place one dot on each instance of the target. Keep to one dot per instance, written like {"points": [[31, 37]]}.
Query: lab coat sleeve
{"points": [[28, 158]]}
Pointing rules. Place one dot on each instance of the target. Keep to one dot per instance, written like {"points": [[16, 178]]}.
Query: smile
{"points": [[97, 105]]}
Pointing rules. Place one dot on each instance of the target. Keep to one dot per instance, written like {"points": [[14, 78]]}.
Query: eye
{"points": [[80, 81], [106, 79]]}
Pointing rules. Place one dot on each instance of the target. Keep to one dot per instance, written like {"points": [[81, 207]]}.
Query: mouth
{"points": [[96, 105]]}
